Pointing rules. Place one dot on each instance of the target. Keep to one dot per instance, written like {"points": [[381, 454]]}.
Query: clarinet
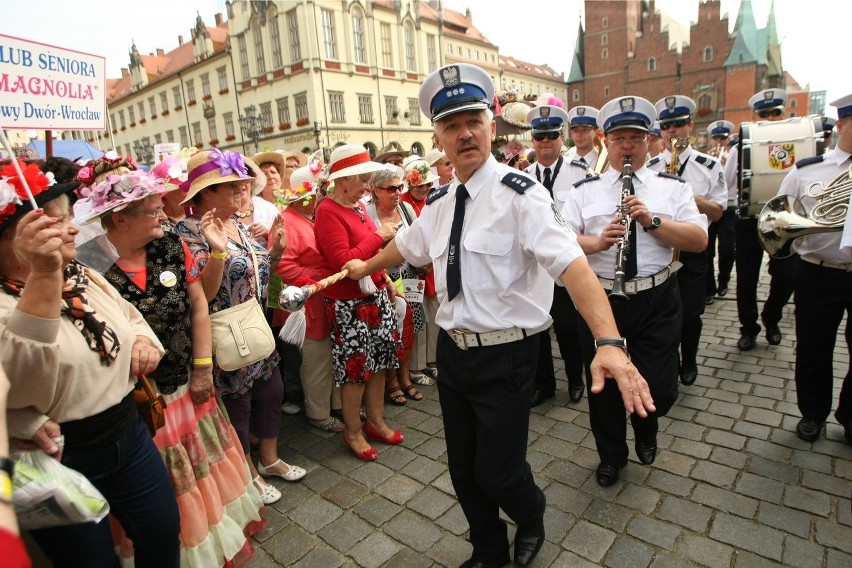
{"points": [[618, 294]]}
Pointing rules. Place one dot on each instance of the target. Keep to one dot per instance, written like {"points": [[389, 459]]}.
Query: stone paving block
{"points": [[729, 401], [807, 500], [275, 522], [394, 457], [557, 524], [412, 530], [423, 469], [262, 559], [808, 460], [315, 513], [608, 515], [833, 535], [730, 376], [377, 510], [375, 550], [433, 447], [685, 514], [837, 559], [317, 452], [788, 520], [562, 414], [628, 552], [729, 409], [736, 460], [399, 488], [692, 448], [803, 553], [844, 512], [653, 531], [444, 483], [454, 520], [681, 414], [715, 474], [785, 435], [745, 559], [568, 432], [714, 421], [291, 495], [775, 393], [757, 404], [538, 461], [567, 559], [723, 500], [761, 415], [751, 430], [431, 425], [566, 472], [540, 423], [320, 478], [668, 560], [760, 487], [726, 439], [407, 558], [291, 544], [739, 387], [769, 450], [704, 551], [674, 463], [411, 417], [788, 408], [779, 471], [567, 499], [696, 402], [668, 483], [748, 535], [342, 461], [827, 483], [370, 475], [450, 551], [346, 493], [345, 532], [554, 447], [639, 498], [686, 430], [589, 541], [431, 503]]}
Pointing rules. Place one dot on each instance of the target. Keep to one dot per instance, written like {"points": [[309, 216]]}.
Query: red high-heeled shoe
{"points": [[396, 438], [370, 454]]}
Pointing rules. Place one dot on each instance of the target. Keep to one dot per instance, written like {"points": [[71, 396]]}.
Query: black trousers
{"points": [[724, 230], [565, 317], [749, 257], [651, 322], [485, 395], [691, 285], [823, 295]]}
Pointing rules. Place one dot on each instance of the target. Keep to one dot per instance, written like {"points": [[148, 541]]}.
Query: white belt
{"points": [[465, 339], [636, 285], [847, 266]]}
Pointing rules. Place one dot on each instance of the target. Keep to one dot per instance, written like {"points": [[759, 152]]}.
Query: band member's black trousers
{"points": [[691, 284], [565, 317], [724, 230]]}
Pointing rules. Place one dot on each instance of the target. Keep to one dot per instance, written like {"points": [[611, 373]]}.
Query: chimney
{"points": [[468, 15], [218, 18], [124, 72], [160, 52], [180, 40]]}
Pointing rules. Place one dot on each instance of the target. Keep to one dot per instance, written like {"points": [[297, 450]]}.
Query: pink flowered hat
{"points": [[304, 183], [115, 193]]}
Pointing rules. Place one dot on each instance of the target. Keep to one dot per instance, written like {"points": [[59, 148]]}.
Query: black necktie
{"points": [[631, 266], [548, 183], [454, 255], [584, 161]]}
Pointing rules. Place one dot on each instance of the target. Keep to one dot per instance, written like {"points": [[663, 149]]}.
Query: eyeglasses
{"points": [[539, 136], [393, 188], [155, 213], [633, 140], [776, 112], [675, 123]]}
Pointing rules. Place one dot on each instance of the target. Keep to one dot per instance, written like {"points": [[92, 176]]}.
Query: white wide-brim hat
{"points": [[351, 160]]}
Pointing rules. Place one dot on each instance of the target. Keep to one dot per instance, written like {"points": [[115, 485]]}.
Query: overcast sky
{"points": [[538, 31]]}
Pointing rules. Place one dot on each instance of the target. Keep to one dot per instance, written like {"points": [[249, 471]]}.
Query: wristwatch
{"points": [[7, 467], [655, 223], [614, 341]]}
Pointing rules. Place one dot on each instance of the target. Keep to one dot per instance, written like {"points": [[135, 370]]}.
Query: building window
{"points": [[328, 34], [205, 86], [293, 28], [244, 64], [606, 91], [127, 150], [196, 132], [211, 126], [153, 106], [222, 75], [170, 136], [391, 110], [604, 39], [459, 50], [476, 54], [164, 101], [258, 49], [176, 96], [792, 105], [413, 112], [365, 108], [652, 64], [605, 22], [408, 34], [184, 139], [468, 53], [141, 111], [131, 115], [275, 40], [335, 103], [387, 54], [708, 54], [431, 53], [283, 106], [358, 36], [266, 112], [121, 122], [190, 91], [523, 88], [228, 119], [604, 53], [575, 96], [705, 101], [158, 138], [450, 48], [301, 101]]}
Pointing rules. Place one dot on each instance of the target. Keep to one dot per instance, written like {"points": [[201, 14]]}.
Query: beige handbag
{"points": [[241, 334]]}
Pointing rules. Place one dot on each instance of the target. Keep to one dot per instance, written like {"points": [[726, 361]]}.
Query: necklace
{"points": [[244, 214]]}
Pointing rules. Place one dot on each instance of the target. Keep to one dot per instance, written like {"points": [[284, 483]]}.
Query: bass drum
{"points": [[767, 152]]}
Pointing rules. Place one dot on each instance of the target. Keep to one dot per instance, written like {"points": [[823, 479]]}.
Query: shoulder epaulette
{"points": [[706, 161], [437, 193], [672, 176], [517, 182], [584, 180], [808, 161], [579, 164], [654, 160]]}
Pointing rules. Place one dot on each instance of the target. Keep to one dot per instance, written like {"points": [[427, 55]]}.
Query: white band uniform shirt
{"points": [[592, 206], [507, 276], [564, 182], [703, 173]]}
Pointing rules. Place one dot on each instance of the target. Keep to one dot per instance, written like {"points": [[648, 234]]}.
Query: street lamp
{"points": [[253, 125], [143, 150]]}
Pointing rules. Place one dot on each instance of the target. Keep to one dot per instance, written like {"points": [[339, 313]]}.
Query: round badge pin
{"points": [[168, 278]]}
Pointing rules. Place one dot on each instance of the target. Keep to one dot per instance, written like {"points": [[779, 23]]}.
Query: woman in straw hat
{"points": [[87, 345], [364, 331], [225, 254], [154, 271]]}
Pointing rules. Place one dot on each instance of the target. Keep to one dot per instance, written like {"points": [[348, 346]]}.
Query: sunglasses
{"points": [[539, 136], [767, 113], [393, 188], [675, 123]]}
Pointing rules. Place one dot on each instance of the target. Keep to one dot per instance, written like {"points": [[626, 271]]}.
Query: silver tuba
{"points": [[784, 220]]}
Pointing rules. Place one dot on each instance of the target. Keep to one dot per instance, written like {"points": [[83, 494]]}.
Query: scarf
{"points": [[98, 334]]}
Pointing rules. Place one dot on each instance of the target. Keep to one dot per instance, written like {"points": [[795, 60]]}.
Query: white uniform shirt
{"points": [[706, 182], [514, 246], [846, 239], [825, 246], [592, 206], [563, 183], [730, 172]]}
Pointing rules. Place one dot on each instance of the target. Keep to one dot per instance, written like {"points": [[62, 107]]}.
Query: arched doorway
{"points": [[372, 149], [417, 148]]}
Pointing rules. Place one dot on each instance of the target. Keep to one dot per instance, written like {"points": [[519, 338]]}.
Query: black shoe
{"points": [[708, 300], [773, 333], [747, 342], [646, 451], [539, 397], [527, 544], [576, 392], [688, 374], [808, 430], [607, 474], [722, 291], [471, 563]]}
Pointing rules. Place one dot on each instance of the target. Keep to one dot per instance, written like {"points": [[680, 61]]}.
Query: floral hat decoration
{"points": [[172, 169], [214, 166], [418, 172], [304, 184], [115, 193], [14, 201], [97, 170]]}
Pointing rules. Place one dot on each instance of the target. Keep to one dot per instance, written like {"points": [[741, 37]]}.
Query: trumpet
{"points": [[678, 146], [618, 295], [603, 158]]}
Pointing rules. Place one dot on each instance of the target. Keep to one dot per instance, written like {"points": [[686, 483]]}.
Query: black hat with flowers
{"points": [[14, 201]]}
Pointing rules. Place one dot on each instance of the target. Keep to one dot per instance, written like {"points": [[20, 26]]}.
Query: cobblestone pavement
{"points": [[732, 484]]}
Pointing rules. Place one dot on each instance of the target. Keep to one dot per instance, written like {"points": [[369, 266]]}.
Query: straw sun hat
{"points": [[214, 166], [418, 172], [351, 160]]}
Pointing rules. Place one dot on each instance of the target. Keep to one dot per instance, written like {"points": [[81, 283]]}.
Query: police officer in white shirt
{"points": [[583, 130], [704, 175], [822, 283], [497, 244], [555, 172], [723, 229], [662, 217], [767, 105]]}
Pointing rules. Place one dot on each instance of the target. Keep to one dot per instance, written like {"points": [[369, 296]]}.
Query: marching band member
{"points": [[720, 132]]}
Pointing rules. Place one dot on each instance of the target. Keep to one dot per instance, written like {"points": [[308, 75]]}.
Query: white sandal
{"points": [[268, 493], [294, 473]]}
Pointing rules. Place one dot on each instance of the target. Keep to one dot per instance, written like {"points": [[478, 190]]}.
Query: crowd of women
{"points": [[110, 276]]}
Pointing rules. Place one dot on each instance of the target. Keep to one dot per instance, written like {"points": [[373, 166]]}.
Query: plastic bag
{"points": [[49, 494]]}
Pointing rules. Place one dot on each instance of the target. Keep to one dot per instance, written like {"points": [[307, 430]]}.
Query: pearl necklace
{"points": [[244, 214]]}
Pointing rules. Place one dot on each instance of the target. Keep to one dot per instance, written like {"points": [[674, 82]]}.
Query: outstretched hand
{"points": [[38, 240], [214, 231], [612, 362]]}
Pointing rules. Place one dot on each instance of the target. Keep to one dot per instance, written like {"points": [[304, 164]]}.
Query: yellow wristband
{"points": [[202, 361], [219, 255]]}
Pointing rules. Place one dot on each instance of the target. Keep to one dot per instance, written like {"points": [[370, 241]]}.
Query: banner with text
{"points": [[44, 87]]}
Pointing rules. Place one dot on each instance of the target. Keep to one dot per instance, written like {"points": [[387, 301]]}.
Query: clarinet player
{"points": [[658, 212]]}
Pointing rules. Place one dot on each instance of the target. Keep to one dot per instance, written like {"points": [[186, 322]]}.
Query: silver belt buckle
{"points": [[460, 339]]}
